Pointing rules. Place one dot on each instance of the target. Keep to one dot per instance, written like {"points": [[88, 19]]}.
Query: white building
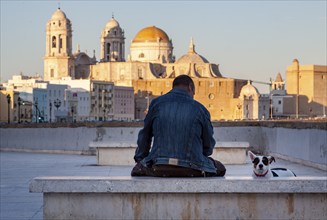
{"points": [[21, 83], [254, 105], [281, 103], [79, 104], [101, 101], [73, 83], [40, 104], [59, 104]]}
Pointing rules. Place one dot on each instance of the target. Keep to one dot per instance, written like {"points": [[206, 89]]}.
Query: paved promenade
{"points": [[18, 169]]}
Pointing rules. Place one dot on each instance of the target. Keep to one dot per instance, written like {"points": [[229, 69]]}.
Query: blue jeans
{"points": [[176, 171]]}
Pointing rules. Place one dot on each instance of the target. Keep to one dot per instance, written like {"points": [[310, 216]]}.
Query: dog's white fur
{"points": [[260, 170]]}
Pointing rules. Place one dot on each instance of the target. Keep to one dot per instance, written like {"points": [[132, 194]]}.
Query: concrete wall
{"points": [[181, 198], [299, 143]]}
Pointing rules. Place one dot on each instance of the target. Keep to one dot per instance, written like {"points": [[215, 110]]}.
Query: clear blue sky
{"points": [[248, 39]]}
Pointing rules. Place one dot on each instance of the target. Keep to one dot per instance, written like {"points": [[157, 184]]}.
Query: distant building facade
{"points": [[150, 62], [124, 107], [308, 85], [252, 104]]}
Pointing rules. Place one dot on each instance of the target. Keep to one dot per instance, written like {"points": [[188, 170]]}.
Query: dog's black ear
{"points": [[271, 159]]}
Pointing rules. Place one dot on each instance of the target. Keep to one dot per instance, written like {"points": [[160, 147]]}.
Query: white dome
{"points": [[249, 90], [111, 24], [58, 15], [192, 56]]}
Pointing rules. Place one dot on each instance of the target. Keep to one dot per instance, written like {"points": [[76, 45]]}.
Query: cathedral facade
{"points": [[150, 67]]}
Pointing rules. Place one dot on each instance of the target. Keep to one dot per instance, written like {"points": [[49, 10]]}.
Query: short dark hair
{"points": [[184, 80]]}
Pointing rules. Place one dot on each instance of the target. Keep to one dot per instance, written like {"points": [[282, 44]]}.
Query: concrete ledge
{"points": [[232, 152], [118, 153], [300, 161], [84, 184], [182, 198]]}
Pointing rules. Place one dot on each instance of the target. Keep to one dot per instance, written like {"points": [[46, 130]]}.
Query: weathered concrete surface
{"points": [[128, 184], [184, 206], [182, 198]]}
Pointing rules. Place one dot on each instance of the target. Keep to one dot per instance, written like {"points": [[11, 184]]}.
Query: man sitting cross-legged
{"points": [[182, 136]]}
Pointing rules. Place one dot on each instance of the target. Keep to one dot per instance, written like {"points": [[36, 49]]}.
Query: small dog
{"points": [[261, 167]]}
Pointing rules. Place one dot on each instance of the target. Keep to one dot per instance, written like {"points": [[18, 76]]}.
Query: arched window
{"points": [[108, 48], [54, 42], [140, 73]]}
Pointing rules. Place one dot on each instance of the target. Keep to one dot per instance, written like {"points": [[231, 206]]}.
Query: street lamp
{"points": [[19, 103], [147, 102], [72, 110], [239, 110], [36, 116], [57, 104], [8, 101], [50, 105], [104, 114]]}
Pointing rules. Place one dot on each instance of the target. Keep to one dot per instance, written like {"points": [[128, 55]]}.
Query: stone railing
{"points": [[303, 141]]}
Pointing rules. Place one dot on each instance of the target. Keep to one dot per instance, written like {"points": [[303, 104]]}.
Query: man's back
{"points": [[182, 132]]}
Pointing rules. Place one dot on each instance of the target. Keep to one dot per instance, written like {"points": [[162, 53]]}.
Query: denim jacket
{"points": [[181, 130]]}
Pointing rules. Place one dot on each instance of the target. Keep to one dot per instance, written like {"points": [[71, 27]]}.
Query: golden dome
{"points": [[151, 34]]}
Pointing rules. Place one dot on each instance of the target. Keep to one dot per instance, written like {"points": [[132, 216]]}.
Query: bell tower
{"points": [[112, 42], [58, 59]]}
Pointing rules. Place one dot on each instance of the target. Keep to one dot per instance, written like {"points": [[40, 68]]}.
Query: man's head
{"points": [[184, 82]]}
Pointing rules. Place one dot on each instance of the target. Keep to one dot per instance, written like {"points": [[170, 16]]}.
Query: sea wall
{"points": [[299, 140]]}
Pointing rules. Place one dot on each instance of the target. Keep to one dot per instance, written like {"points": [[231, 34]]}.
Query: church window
{"points": [[200, 70], [279, 102], [108, 48], [60, 42], [140, 73], [141, 55], [54, 42], [52, 73]]}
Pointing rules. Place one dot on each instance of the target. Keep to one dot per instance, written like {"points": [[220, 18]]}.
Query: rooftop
{"points": [[18, 169]]}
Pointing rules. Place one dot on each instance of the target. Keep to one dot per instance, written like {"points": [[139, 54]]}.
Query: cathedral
{"points": [[149, 68]]}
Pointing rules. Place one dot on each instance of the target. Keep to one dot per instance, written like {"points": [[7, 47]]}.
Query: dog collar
{"points": [[260, 175]]}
